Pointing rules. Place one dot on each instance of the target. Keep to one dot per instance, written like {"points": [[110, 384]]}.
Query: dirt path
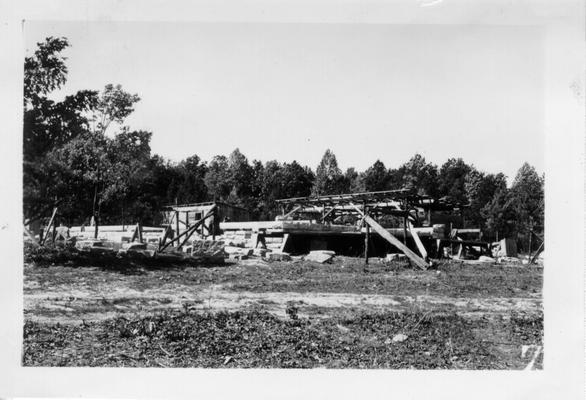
{"points": [[73, 306]]}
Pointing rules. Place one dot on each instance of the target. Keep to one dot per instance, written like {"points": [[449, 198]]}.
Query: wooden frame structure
{"points": [[188, 232], [181, 217], [368, 207]]}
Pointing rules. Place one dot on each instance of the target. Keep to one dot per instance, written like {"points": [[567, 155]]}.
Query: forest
{"points": [[79, 155]]}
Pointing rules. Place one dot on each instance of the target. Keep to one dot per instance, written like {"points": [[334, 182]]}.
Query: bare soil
{"points": [[455, 316]]}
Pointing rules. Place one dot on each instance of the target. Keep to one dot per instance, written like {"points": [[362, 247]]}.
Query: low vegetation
{"points": [[286, 315]]}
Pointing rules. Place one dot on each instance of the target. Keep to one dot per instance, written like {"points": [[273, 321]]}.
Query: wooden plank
{"points": [[48, 226], [166, 234], [135, 234], [328, 214], [366, 240], [300, 226], [253, 226], [537, 253], [293, 211], [285, 240], [469, 230], [418, 242], [420, 262]]}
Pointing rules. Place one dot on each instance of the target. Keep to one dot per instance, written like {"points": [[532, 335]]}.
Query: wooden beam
{"points": [[420, 262], [166, 234], [137, 234], [176, 223], [366, 241], [537, 253], [293, 211], [418, 242], [187, 233], [196, 225], [328, 214], [48, 226], [285, 240]]}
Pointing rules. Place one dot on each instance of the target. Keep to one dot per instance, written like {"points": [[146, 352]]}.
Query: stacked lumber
{"points": [[240, 238], [274, 243], [206, 247]]}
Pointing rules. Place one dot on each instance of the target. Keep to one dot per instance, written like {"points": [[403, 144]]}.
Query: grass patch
{"points": [[256, 339]]}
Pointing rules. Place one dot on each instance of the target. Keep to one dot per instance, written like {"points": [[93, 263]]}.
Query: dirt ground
{"points": [[494, 311]]}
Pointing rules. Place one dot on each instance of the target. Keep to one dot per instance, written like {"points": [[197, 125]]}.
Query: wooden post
{"points": [[366, 240], [213, 225], [366, 237], [96, 226], [176, 223], [405, 224], [139, 228]]}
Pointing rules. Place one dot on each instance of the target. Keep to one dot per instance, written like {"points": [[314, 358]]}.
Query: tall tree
{"points": [[480, 190], [528, 196], [47, 126], [113, 105], [328, 176], [452, 179], [352, 181], [272, 188], [419, 176], [192, 176], [500, 215], [44, 71], [376, 177], [217, 178], [297, 181], [241, 177]]}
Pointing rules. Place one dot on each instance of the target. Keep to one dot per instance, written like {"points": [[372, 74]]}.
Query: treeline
{"points": [[69, 161]]}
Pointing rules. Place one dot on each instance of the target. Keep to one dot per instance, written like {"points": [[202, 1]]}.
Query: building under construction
{"points": [[362, 224]]}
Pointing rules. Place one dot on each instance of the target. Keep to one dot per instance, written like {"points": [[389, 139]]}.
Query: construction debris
{"points": [[395, 257], [320, 256], [507, 248], [399, 338], [279, 256], [397, 224], [486, 259]]}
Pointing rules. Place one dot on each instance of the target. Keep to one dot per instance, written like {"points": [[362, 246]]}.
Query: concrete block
{"points": [[134, 246], [320, 256], [260, 252], [278, 256]]}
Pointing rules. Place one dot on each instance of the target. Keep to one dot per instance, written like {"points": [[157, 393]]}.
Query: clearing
{"points": [[285, 314]]}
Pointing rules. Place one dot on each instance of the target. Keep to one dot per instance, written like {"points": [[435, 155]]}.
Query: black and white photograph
{"points": [[290, 194]]}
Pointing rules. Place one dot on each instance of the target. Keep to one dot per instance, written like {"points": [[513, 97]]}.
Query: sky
{"points": [[290, 91]]}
